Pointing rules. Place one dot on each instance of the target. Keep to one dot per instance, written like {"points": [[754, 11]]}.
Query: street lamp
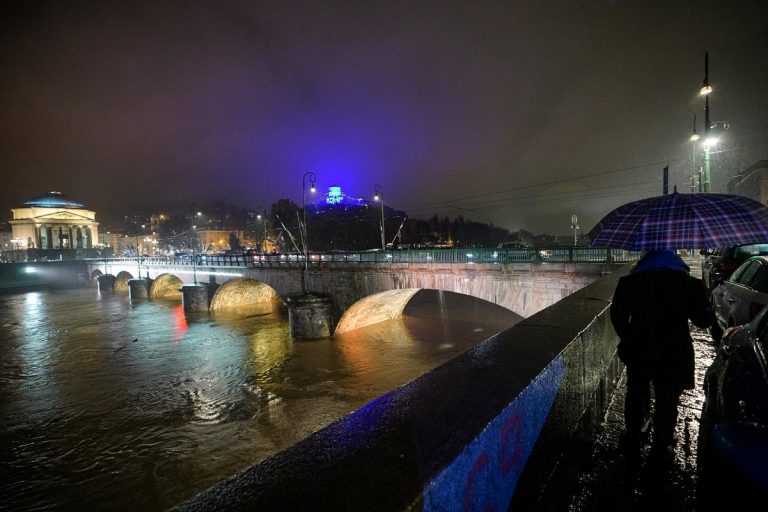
{"points": [[304, 236], [705, 91], [695, 174], [575, 228], [378, 195], [263, 218], [194, 256]]}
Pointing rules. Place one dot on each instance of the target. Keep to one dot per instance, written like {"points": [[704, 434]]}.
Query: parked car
{"points": [[737, 300], [724, 260], [733, 433]]}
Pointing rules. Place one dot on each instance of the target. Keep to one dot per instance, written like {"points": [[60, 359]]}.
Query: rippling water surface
{"points": [[112, 405]]}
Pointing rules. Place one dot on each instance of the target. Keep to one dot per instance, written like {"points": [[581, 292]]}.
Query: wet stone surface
{"points": [[609, 483]]}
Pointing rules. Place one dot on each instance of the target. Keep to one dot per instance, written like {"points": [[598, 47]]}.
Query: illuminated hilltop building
{"points": [[53, 222]]}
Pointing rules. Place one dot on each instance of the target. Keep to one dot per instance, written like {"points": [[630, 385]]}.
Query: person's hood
{"points": [[661, 260]]}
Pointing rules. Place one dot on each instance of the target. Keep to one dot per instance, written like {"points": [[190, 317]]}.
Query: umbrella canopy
{"points": [[683, 221]]}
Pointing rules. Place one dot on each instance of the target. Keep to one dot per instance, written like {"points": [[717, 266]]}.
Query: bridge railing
{"points": [[424, 256]]}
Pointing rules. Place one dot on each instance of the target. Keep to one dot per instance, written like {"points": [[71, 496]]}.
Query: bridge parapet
{"points": [[497, 427], [524, 287], [537, 255]]}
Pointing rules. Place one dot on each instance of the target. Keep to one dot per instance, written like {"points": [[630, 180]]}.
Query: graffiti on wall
{"points": [[484, 476]]}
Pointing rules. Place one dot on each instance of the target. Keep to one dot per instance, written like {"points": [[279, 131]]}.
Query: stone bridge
{"points": [[367, 292]]}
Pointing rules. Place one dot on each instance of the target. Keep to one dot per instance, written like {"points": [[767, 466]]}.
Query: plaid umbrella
{"points": [[683, 221]]}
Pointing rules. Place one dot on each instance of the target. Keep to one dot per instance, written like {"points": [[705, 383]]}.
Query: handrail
{"points": [[534, 255]]}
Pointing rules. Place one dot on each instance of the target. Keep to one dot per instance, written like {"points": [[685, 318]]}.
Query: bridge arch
{"points": [[121, 281], [94, 276], [242, 292], [166, 286], [426, 303]]}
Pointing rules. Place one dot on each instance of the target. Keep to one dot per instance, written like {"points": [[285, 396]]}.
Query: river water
{"points": [[112, 405]]}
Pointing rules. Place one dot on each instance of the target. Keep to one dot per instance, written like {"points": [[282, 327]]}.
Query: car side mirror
{"points": [[717, 279]]}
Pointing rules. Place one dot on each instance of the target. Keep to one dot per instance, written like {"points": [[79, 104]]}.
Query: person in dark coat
{"points": [[650, 311]]}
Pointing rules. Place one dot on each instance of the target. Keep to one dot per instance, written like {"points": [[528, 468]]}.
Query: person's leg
{"points": [[638, 394], [635, 405], [665, 415]]}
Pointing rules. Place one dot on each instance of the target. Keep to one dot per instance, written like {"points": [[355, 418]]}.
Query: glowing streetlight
{"points": [[705, 91], [575, 228], [263, 219], [304, 236], [695, 173], [379, 196]]}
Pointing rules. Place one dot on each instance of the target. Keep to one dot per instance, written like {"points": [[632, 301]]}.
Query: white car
{"points": [[737, 300]]}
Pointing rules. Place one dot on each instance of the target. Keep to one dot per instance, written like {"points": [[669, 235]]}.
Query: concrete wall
{"points": [[499, 427]]}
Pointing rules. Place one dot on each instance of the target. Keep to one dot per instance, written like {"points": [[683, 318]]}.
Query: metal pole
{"points": [[694, 172], [707, 169], [305, 236], [264, 242], [575, 228], [379, 196], [194, 266], [138, 257]]}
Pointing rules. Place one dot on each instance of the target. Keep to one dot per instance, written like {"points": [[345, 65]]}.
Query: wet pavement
{"points": [[608, 483]]}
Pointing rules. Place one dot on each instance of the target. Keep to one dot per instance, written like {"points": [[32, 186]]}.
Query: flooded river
{"points": [[112, 405]]}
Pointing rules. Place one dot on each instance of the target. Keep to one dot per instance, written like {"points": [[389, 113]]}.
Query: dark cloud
{"points": [[519, 113]]}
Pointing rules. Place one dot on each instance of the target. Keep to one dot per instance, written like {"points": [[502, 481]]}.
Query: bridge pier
{"points": [[310, 316], [106, 282], [139, 288], [195, 297]]}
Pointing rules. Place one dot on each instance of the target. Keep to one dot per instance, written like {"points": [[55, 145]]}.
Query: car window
{"points": [[744, 273], [745, 251], [759, 281], [762, 332]]}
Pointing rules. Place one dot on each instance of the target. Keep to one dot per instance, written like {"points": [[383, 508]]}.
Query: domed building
{"points": [[56, 223]]}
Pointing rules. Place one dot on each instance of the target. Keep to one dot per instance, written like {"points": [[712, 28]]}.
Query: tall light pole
{"points": [[695, 178], [194, 255], [378, 195], [705, 90], [575, 228], [262, 216], [304, 237]]}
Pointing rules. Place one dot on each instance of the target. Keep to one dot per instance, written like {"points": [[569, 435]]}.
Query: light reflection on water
{"points": [[108, 404]]}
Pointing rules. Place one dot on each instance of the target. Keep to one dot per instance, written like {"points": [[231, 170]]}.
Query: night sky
{"points": [[520, 113]]}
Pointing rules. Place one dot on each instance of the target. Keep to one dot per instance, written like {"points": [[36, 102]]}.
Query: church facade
{"points": [[53, 222]]}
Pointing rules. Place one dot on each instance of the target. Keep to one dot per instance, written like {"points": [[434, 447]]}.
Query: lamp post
{"points": [[695, 176], [575, 228], [378, 195], [138, 255], [194, 256], [705, 90], [304, 236], [263, 218]]}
